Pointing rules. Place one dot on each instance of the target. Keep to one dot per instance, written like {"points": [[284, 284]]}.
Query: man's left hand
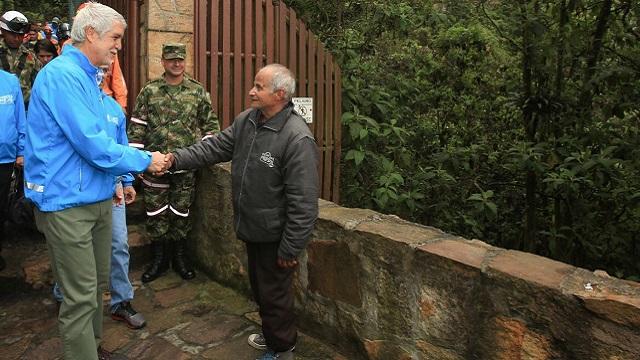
{"points": [[118, 195], [129, 194], [287, 264]]}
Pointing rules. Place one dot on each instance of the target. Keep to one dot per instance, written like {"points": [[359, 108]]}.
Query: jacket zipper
{"points": [[244, 171]]}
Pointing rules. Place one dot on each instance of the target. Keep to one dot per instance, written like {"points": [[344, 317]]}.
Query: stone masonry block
{"points": [[610, 298], [171, 15], [394, 228], [348, 219], [333, 271], [461, 251], [429, 351], [621, 309], [513, 340], [531, 268], [385, 350]]}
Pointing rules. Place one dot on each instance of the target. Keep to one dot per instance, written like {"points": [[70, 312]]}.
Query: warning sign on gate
{"points": [[304, 107]]}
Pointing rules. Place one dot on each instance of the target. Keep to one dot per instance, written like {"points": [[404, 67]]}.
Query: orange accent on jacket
{"points": [[114, 85]]}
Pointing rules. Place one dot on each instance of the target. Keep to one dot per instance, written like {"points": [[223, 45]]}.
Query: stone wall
{"points": [[164, 21], [383, 288]]}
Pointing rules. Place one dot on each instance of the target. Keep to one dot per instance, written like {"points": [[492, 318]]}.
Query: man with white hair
{"points": [[275, 190], [71, 164]]}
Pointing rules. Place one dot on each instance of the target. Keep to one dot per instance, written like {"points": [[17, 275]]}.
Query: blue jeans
{"points": [[119, 284]]}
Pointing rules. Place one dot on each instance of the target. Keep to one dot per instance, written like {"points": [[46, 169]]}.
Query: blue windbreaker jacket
{"points": [[71, 158], [12, 118], [117, 123]]}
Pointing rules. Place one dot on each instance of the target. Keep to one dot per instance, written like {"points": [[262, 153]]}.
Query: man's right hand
{"points": [[157, 163], [168, 161]]}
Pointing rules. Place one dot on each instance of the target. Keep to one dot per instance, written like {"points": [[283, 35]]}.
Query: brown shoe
{"points": [[107, 355]]}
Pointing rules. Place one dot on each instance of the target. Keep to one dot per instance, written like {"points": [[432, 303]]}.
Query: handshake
{"points": [[160, 163]]}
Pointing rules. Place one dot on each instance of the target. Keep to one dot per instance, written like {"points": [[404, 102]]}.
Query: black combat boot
{"points": [[179, 262], [160, 262]]}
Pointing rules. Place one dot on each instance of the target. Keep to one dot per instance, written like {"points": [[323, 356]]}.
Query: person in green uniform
{"points": [[14, 55], [171, 112]]}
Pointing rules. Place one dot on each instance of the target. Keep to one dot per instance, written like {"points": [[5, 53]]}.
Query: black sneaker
{"points": [[125, 312], [257, 341]]}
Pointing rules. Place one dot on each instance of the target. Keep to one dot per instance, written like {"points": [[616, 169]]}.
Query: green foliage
{"points": [[37, 10], [513, 122]]}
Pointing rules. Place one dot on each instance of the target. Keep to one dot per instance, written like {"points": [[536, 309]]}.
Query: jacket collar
{"points": [[81, 59], [276, 123]]}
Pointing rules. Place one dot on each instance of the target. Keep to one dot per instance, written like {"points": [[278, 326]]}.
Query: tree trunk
{"points": [[558, 125], [593, 55], [528, 59]]}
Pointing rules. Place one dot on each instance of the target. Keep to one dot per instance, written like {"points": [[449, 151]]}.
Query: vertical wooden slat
{"points": [[133, 54], [226, 63], [337, 135], [247, 27], [270, 31], [282, 35], [303, 79], [321, 115], [311, 84], [293, 30], [328, 126], [200, 42], [214, 49], [237, 58], [259, 34], [248, 51]]}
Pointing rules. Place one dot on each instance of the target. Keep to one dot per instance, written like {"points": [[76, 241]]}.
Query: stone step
{"points": [[27, 257]]}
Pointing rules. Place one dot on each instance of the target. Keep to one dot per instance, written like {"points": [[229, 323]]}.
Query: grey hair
{"points": [[97, 16], [282, 78]]}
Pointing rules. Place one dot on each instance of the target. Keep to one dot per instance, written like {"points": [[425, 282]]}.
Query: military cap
{"points": [[174, 51]]}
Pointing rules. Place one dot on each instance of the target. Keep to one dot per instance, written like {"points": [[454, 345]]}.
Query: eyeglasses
{"points": [[17, 25]]}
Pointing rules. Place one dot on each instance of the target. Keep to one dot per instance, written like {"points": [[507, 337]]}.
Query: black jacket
{"points": [[274, 173]]}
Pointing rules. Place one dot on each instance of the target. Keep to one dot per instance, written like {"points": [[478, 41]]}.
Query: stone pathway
{"points": [[197, 319]]}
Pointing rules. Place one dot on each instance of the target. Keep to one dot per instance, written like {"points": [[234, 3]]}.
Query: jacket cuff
{"points": [[284, 254]]}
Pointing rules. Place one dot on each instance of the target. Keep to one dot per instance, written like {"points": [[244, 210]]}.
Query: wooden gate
{"points": [[130, 53], [234, 39]]}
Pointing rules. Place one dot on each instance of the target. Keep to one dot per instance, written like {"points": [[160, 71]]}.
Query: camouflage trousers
{"points": [[167, 200]]}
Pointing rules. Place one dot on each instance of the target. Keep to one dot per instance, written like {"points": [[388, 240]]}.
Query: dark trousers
{"points": [[5, 183], [272, 291]]}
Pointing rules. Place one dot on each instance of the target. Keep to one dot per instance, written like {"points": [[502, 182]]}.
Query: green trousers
{"points": [[79, 243], [168, 200]]}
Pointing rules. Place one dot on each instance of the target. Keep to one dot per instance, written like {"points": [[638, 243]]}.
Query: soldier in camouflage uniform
{"points": [[171, 112], [14, 55]]}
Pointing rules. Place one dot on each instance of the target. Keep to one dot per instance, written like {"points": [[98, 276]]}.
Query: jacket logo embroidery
{"points": [[112, 119], [267, 159], [6, 99]]}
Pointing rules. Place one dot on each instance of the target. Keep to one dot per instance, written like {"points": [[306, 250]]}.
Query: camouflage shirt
{"points": [[167, 117], [23, 63]]}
